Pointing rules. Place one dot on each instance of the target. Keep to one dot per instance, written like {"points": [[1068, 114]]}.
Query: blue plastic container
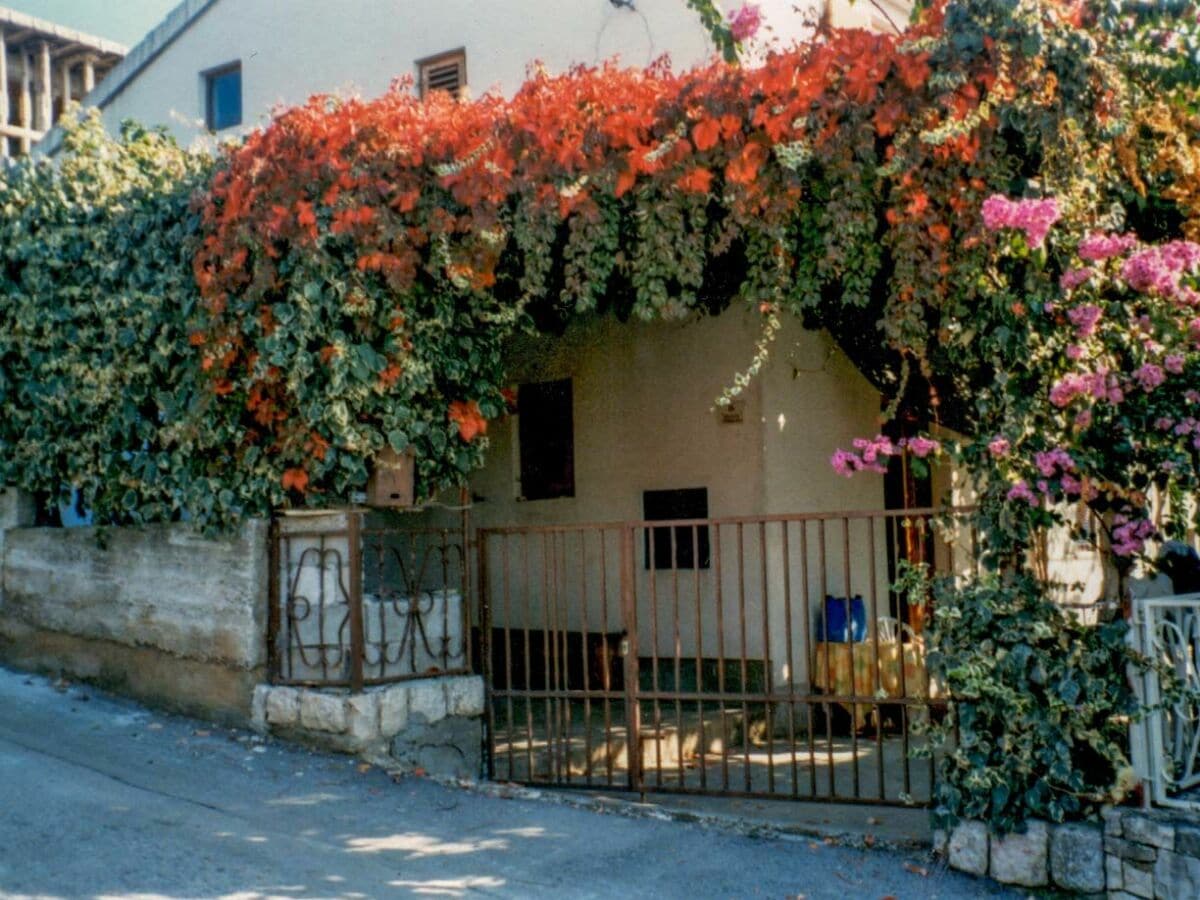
{"points": [[832, 625]]}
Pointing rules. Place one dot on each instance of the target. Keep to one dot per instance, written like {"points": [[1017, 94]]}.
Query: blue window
{"points": [[223, 97]]}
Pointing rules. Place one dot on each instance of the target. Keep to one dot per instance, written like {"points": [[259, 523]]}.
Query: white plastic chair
{"points": [[888, 629]]}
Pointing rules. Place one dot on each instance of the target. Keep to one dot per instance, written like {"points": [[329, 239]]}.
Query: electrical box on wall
{"points": [[392, 481]]}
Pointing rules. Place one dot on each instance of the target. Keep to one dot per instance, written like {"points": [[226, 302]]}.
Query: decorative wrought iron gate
{"points": [[757, 656], [356, 601]]}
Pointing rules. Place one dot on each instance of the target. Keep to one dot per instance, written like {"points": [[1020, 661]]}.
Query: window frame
{"points": [[423, 65], [656, 540], [208, 80]]}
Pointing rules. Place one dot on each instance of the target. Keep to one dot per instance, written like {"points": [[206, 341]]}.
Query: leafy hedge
{"points": [[1038, 726], [95, 276]]}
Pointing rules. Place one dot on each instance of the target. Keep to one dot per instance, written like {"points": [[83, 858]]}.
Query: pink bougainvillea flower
{"points": [[1049, 462], [922, 446], [1084, 318], [1022, 491], [745, 21], [1075, 277], [999, 446], [1174, 364], [1034, 217], [1097, 246], [845, 463], [1130, 535], [1158, 269], [1074, 385], [1149, 376], [871, 456]]}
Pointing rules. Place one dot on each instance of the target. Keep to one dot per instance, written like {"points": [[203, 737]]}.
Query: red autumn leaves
{"points": [[470, 420], [389, 190]]}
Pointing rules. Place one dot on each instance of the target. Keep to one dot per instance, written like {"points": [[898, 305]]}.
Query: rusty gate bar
{"points": [[633, 714], [355, 606], [745, 683]]}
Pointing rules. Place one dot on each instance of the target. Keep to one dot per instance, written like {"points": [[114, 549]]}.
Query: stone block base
{"points": [[1133, 853], [430, 724]]}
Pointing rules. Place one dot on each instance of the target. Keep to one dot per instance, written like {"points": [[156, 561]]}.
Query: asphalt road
{"points": [[102, 798]]}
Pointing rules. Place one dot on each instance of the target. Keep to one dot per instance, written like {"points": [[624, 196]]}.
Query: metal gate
{"points": [[754, 656]]}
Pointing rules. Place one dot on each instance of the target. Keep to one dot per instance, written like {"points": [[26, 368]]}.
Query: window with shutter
{"points": [[444, 72], [545, 434]]}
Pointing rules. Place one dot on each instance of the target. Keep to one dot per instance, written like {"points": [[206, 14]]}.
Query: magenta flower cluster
{"points": [[1149, 376], [1159, 269], [1129, 535], [1073, 278], [1050, 462], [1097, 247], [871, 454], [1084, 318], [1099, 385], [921, 446], [745, 21], [1022, 492], [1034, 217]]}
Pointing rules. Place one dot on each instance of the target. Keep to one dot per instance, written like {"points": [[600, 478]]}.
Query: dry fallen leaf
{"points": [[200, 732], [916, 870], [872, 820], [869, 840], [364, 768]]}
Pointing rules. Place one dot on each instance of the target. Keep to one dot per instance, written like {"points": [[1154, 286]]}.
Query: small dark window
{"points": [[223, 97], [691, 541], [547, 439], [444, 72]]}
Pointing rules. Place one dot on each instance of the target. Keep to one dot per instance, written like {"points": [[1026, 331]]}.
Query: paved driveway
{"points": [[102, 798]]}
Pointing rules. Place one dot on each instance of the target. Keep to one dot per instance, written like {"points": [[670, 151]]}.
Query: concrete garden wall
{"points": [[159, 613]]}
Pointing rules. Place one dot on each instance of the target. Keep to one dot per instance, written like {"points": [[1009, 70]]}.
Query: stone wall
{"points": [[429, 724], [1134, 853], [160, 613], [1152, 854]]}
